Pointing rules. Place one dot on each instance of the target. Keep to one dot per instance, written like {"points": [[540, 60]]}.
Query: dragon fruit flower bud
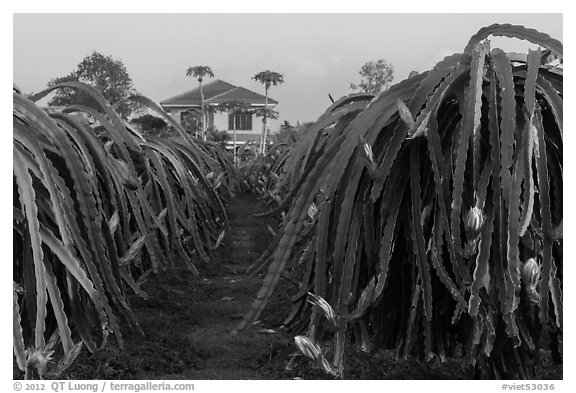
{"points": [[531, 277], [474, 221], [368, 151], [530, 272], [38, 360], [308, 347], [312, 211], [368, 154], [405, 114], [324, 307]]}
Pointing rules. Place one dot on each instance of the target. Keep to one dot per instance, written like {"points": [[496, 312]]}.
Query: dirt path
{"points": [[248, 356], [187, 319]]}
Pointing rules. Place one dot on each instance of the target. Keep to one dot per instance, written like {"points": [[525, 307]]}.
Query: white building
{"points": [[218, 93]]}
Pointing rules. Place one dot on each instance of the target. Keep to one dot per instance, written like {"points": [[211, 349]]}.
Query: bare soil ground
{"points": [[187, 321]]}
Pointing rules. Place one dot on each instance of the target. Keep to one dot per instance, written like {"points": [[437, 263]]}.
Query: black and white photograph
{"points": [[286, 196]]}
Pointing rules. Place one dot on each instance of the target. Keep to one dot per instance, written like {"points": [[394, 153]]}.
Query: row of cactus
{"points": [[428, 219], [97, 208]]}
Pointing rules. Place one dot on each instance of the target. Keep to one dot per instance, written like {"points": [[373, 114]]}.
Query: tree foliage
{"points": [[220, 137], [376, 76], [150, 124], [107, 75], [191, 121], [288, 133], [267, 78], [200, 72], [266, 113]]}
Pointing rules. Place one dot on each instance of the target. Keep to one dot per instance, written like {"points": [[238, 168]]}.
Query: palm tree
{"points": [[267, 78], [199, 72]]}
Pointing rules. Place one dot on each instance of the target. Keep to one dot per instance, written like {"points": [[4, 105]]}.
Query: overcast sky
{"points": [[317, 53]]}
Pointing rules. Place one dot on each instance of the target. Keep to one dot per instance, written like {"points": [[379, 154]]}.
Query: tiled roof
{"points": [[243, 95], [217, 92], [192, 97]]}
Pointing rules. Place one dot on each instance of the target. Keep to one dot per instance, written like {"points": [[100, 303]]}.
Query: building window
{"points": [[240, 121]]}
